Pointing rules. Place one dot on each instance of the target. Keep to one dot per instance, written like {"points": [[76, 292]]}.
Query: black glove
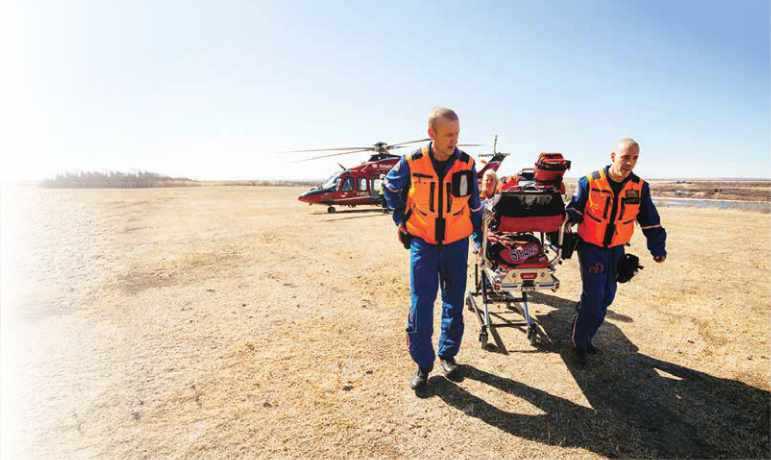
{"points": [[627, 267], [404, 237], [569, 244]]}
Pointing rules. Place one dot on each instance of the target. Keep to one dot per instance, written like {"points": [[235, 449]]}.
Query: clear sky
{"points": [[214, 89]]}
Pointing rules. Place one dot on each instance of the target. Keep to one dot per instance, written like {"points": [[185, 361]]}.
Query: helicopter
{"points": [[361, 185]]}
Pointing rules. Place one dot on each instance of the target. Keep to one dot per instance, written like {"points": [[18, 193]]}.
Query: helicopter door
{"points": [[363, 186], [375, 186]]}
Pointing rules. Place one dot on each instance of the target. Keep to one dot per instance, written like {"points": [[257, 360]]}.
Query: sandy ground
{"points": [[235, 321]]}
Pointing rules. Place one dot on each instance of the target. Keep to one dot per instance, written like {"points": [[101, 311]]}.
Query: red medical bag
{"points": [[550, 168], [529, 211]]}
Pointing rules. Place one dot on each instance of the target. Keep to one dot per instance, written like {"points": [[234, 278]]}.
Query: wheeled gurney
{"points": [[523, 234]]}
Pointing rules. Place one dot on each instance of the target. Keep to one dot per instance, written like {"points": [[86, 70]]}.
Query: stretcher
{"points": [[524, 231]]}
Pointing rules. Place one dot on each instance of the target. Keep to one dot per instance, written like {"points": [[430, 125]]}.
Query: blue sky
{"points": [[215, 89]]}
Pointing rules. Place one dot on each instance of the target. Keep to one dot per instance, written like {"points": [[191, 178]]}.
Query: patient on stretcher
{"points": [[513, 218]]}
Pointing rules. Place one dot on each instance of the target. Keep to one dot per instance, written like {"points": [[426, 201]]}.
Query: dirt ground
{"points": [[235, 321]]}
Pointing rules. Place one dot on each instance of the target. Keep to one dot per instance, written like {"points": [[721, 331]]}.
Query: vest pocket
{"points": [[630, 207], [461, 183], [591, 216], [425, 199], [623, 231], [432, 192]]}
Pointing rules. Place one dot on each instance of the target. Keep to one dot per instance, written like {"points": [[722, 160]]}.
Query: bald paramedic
{"points": [[435, 200], [606, 205]]}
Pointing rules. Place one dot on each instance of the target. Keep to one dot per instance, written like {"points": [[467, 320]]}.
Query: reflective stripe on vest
{"points": [[600, 226], [438, 211]]}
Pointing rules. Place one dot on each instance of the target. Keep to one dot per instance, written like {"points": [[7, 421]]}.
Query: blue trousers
{"points": [[431, 267], [598, 279]]}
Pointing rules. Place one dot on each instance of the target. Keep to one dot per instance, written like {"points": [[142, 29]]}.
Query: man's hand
{"points": [[659, 259], [476, 242], [404, 237]]}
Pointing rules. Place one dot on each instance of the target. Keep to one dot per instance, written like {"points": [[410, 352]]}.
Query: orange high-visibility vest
{"points": [[608, 219], [438, 210]]}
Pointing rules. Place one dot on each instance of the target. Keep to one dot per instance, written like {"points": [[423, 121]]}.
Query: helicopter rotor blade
{"points": [[470, 145], [333, 155], [399, 144], [328, 150]]}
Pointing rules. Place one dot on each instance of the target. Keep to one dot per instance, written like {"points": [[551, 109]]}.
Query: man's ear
{"points": [[612, 157], [431, 133]]}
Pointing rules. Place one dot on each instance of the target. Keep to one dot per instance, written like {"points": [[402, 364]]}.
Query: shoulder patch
{"points": [[416, 156], [595, 175]]}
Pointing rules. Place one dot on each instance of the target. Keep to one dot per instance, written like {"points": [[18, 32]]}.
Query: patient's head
{"points": [[489, 184]]}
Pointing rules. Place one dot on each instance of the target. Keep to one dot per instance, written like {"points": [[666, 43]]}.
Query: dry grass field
{"points": [[748, 190], [235, 322], [705, 189]]}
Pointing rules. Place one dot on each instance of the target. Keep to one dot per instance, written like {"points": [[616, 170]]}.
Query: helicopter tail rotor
{"points": [[495, 151]]}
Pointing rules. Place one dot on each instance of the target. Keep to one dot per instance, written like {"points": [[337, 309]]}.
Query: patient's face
{"points": [[488, 185]]}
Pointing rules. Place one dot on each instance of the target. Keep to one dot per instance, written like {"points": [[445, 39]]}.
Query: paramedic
{"points": [[435, 200], [606, 205]]}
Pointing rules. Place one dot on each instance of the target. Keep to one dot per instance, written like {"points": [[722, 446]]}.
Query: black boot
{"points": [[580, 357], [449, 367], [420, 379]]}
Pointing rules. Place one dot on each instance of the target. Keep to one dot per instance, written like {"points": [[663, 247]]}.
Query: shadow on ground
{"points": [[640, 406]]}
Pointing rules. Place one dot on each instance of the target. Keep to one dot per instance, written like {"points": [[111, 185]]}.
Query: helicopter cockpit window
{"points": [[363, 184], [348, 184], [331, 183]]}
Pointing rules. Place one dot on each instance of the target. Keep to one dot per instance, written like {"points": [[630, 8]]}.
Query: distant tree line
{"points": [[271, 182], [114, 179]]}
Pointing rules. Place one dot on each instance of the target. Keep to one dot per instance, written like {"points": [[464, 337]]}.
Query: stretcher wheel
{"points": [[532, 335], [483, 338], [331, 210]]}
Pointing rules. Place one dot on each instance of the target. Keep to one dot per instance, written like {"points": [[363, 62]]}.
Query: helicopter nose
{"points": [[308, 197]]}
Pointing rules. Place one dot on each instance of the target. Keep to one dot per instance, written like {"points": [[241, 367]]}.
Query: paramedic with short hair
{"points": [[606, 205], [435, 200]]}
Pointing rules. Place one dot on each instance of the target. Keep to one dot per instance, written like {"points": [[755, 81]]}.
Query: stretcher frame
{"points": [[510, 289]]}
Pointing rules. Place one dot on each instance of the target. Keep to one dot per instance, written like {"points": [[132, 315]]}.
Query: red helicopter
{"points": [[362, 184]]}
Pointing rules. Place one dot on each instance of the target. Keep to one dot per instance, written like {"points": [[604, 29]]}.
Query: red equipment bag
{"points": [[550, 168], [520, 251], [529, 211]]}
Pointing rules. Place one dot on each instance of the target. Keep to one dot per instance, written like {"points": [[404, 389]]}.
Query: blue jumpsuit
{"points": [[598, 264], [432, 267]]}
